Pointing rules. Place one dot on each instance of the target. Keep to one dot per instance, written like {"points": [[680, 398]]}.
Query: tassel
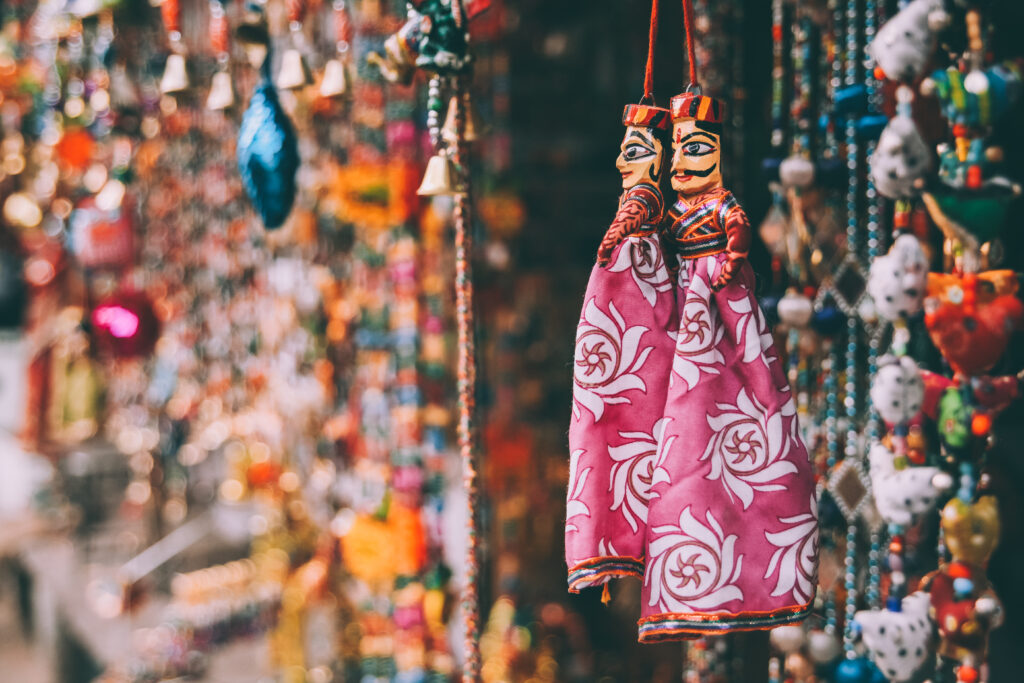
{"points": [[606, 594]]}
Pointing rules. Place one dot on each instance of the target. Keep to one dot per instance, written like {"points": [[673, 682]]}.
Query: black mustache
{"points": [[700, 174]]}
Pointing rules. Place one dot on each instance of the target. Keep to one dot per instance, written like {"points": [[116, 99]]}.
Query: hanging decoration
{"points": [[268, 153], [706, 529]]}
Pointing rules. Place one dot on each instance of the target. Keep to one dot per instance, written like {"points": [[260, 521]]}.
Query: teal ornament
{"points": [[855, 671], [268, 153]]}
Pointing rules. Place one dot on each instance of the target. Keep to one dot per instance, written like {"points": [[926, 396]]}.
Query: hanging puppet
{"points": [[723, 497], [621, 365]]}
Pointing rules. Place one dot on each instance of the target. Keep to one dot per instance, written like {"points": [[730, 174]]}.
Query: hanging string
{"points": [[652, 38], [691, 41], [466, 377]]}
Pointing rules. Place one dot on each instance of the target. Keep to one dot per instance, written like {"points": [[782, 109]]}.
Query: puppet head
{"points": [[898, 280], [898, 642], [641, 155], [696, 143]]}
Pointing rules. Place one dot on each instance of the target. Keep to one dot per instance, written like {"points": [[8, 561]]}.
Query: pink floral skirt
{"points": [[720, 493]]}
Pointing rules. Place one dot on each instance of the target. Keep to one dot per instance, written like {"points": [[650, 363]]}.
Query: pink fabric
{"points": [[623, 357], [723, 479]]}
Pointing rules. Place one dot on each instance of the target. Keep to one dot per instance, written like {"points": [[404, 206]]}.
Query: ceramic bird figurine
{"points": [[268, 150]]}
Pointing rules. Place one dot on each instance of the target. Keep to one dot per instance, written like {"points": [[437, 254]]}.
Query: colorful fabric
{"points": [[623, 355], [690, 459]]}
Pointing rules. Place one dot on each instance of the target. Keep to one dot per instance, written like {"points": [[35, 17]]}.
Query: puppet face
{"points": [[640, 157], [696, 161]]}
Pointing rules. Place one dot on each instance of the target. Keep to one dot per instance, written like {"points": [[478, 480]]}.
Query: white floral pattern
{"points": [[643, 258], [636, 470], [575, 507], [700, 330], [748, 447], [752, 331], [796, 557], [607, 360], [693, 566]]}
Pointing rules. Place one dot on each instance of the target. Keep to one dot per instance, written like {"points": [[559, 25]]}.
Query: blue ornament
{"points": [[854, 671], [828, 321], [770, 306], [963, 588], [268, 153]]}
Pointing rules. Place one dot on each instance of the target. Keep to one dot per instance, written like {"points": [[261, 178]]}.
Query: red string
{"points": [[651, 39], [691, 42]]}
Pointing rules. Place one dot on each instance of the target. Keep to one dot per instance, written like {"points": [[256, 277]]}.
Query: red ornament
{"points": [[981, 424], [971, 318], [125, 325], [967, 674]]}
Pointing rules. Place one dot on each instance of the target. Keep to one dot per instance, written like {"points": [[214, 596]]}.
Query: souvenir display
{"points": [[291, 291]]}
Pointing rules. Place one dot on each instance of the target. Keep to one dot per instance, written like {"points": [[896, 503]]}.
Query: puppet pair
{"points": [[687, 470]]}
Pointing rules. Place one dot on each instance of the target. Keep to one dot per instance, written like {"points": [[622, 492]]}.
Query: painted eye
{"points": [[634, 152], [697, 149]]}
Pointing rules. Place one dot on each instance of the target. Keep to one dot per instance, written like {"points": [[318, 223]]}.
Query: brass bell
{"points": [[335, 80], [222, 92], [472, 125], [175, 77], [439, 177], [294, 73]]}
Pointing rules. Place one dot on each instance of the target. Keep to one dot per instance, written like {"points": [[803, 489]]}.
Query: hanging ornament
{"points": [[964, 606], [175, 78], [294, 73], [971, 318], [898, 642], [898, 281], [901, 159], [335, 81], [268, 152], [125, 325], [901, 494], [904, 45], [222, 89]]}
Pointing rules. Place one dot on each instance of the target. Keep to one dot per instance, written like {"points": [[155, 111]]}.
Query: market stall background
{"points": [[297, 409]]}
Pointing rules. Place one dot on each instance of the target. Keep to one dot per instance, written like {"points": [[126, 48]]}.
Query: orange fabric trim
{"points": [[692, 634], [606, 558], [682, 616]]}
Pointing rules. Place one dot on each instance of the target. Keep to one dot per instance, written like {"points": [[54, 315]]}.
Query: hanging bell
{"points": [[470, 133], [175, 77], [335, 80], [439, 177], [294, 73], [222, 92]]}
